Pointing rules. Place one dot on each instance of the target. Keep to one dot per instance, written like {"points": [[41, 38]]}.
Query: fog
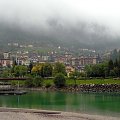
{"points": [[81, 20]]}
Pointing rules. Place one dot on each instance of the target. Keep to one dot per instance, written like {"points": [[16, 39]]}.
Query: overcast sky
{"points": [[38, 13]]}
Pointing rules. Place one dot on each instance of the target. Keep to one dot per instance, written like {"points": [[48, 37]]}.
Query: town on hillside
{"points": [[71, 61]]}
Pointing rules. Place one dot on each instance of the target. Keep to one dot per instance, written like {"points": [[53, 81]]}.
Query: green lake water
{"points": [[105, 104]]}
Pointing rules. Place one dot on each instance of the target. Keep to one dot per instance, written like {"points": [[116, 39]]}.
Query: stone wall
{"points": [[91, 88], [104, 88]]}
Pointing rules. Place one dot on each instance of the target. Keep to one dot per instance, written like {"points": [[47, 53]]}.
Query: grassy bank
{"points": [[89, 81], [72, 82]]}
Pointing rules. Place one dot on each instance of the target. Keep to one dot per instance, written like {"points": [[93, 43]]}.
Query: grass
{"points": [[15, 82], [48, 81], [92, 81], [72, 82]]}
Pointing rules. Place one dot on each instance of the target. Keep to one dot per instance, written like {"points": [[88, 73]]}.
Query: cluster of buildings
{"points": [[71, 62], [19, 45]]}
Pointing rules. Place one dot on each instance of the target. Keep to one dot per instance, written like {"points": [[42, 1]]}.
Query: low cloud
{"points": [[85, 21]]}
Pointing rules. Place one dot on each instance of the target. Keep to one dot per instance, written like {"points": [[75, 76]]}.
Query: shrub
{"points": [[48, 85], [38, 82], [29, 82], [59, 80]]}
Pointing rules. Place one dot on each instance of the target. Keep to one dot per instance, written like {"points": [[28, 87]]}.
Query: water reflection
{"points": [[18, 100], [88, 103]]}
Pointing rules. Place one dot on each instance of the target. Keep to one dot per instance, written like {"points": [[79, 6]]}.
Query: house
{"points": [[69, 70], [6, 55], [80, 62], [6, 62]]}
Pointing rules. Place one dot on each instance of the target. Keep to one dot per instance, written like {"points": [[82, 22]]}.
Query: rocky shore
{"points": [[27, 114], [104, 88], [86, 88]]}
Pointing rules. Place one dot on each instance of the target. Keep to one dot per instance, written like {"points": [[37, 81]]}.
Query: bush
{"points": [[29, 82], [38, 82], [48, 85], [59, 80], [34, 82]]}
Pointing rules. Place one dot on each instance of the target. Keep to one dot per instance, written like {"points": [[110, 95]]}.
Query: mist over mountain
{"points": [[84, 35], [68, 23]]}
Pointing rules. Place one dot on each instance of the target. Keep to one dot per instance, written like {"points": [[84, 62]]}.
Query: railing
{"points": [[1, 79]]}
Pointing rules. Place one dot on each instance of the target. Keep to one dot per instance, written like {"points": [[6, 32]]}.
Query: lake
{"points": [[104, 104]]}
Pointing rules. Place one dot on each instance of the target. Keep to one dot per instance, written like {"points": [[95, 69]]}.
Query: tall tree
{"points": [[114, 55], [110, 65], [116, 63], [30, 67], [46, 70], [59, 68]]}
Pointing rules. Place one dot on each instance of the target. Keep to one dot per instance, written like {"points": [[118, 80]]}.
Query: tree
{"points": [[23, 70], [5, 73], [119, 68], [59, 68], [110, 65], [116, 63], [59, 80], [112, 73], [20, 70], [114, 55], [75, 75], [116, 71], [46, 70], [98, 70], [36, 70], [30, 67], [88, 70]]}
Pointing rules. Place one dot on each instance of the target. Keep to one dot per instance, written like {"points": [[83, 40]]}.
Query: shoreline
{"points": [[88, 88], [35, 114]]}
